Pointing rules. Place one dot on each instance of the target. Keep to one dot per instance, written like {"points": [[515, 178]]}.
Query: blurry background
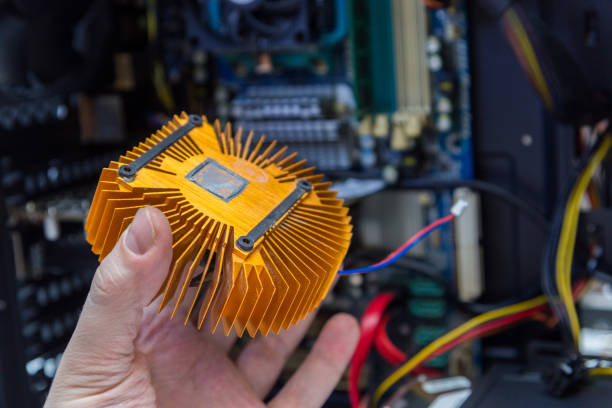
{"points": [[405, 104]]}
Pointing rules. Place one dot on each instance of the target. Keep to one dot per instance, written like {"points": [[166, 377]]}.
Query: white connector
{"points": [[468, 256], [458, 208]]}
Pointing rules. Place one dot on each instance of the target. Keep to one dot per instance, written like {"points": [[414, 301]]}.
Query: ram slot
{"points": [[412, 74]]}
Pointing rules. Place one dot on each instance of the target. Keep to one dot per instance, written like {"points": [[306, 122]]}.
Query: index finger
{"points": [[312, 383]]}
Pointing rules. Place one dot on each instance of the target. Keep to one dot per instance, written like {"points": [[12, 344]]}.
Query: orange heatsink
{"points": [[258, 235]]}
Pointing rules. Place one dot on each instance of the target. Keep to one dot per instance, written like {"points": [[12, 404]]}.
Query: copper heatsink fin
{"points": [[257, 235]]}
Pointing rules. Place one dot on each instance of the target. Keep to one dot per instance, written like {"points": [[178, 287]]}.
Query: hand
{"points": [[123, 353]]}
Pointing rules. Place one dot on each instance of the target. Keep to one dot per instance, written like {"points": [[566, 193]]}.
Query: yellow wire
{"points": [[161, 86], [162, 89], [531, 58], [450, 336], [567, 238], [600, 371], [151, 20]]}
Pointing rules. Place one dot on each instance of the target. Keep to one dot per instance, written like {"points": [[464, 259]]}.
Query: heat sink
{"points": [[257, 235]]}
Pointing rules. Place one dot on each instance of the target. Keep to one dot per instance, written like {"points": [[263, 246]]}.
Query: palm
{"points": [[123, 353], [185, 365], [182, 366]]}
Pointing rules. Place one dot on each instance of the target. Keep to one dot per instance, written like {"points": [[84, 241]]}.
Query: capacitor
{"points": [[390, 174], [49, 367], [367, 158], [444, 123], [435, 62], [444, 105], [51, 226], [433, 45]]}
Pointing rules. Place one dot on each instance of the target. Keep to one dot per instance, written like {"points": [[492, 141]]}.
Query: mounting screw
{"points": [[305, 185], [195, 120], [127, 172], [245, 243]]}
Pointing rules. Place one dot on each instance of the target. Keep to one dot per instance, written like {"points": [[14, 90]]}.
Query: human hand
{"points": [[123, 353]]}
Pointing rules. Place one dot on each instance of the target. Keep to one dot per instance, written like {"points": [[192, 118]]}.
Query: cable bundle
{"points": [[560, 251], [476, 327]]}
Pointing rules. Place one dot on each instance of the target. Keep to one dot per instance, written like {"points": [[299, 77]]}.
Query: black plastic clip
{"points": [[128, 171], [246, 242]]}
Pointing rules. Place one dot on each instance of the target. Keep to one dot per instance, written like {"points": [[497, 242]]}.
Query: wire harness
{"points": [[456, 210]]}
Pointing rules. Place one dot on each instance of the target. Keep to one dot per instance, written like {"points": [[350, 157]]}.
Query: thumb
{"points": [[125, 282]]}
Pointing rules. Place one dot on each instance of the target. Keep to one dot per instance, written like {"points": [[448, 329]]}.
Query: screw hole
{"points": [[245, 243], [126, 170], [305, 184], [195, 119]]}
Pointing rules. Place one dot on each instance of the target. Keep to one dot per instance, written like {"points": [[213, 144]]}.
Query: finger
{"points": [[224, 342], [318, 375], [125, 282], [264, 357]]}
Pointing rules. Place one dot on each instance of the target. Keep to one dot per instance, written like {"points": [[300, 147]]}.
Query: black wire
{"points": [[494, 190]]}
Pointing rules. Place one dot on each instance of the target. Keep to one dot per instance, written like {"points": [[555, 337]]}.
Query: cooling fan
{"points": [[237, 26], [257, 235]]}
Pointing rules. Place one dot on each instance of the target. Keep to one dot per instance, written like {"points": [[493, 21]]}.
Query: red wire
{"points": [[576, 291], [418, 235], [369, 324], [433, 4], [393, 354], [485, 328], [429, 372], [385, 346], [506, 27]]}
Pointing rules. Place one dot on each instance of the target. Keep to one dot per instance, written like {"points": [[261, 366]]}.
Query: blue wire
{"points": [[390, 260]]}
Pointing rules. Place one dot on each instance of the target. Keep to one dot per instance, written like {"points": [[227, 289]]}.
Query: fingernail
{"points": [[141, 233]]}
